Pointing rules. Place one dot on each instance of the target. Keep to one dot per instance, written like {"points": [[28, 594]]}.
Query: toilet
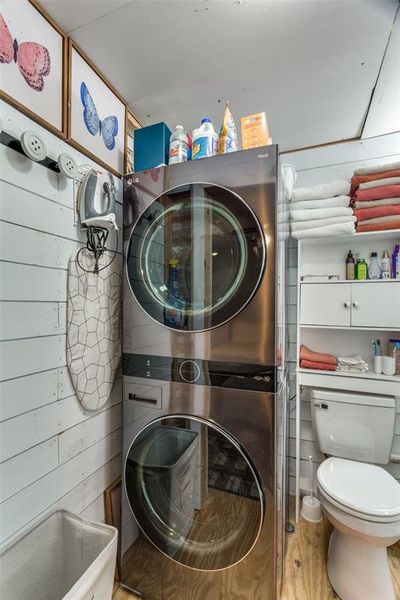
{"points": [[360, 499]]}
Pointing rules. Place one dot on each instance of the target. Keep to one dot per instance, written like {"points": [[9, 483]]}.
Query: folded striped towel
{"points": [[386, 191], [324, 203], [377, 169], [357, 180], [384, 226], [379, 182], [320, 213], [324, 190], [363, 214], [380, 202]]}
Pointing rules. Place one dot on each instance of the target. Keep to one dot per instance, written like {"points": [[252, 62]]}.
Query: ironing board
{"points": [[93, 328]]}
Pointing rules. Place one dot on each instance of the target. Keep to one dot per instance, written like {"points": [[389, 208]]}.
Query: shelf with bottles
{"points": [[329, 257]]}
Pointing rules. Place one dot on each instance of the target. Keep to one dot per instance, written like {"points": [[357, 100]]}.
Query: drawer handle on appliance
{"points": [[356, 304], [142, 399], [347, 304]]}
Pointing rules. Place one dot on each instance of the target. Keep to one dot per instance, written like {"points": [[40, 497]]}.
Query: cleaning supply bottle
{"points": [[178, 146], [350, 264], [174, 310], [385, 265], [205, 140], [395, 262], [361, 269], [374, 271]]}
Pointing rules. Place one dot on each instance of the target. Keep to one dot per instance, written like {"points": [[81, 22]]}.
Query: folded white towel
{"points": [[351, 364], [377, 169], [324, 190], [325, 203], [379, 183], [373, 203], [320, 213], [301, 225], [338, 229]]}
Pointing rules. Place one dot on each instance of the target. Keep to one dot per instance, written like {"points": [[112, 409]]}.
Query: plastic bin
{"points": [[62, 558]]}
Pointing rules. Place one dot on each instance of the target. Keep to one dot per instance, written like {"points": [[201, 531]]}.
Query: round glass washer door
{"points": [[195, 257], [194, 493]]}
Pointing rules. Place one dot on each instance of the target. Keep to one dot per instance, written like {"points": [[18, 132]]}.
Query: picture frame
{"points": [[112, 512], [96, 113], [40, 93], [131, 124]]}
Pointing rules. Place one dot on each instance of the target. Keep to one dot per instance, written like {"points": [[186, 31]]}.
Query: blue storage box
{"points": [[151, 146]]}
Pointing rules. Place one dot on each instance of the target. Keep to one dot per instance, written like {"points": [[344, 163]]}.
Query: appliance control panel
{"points": [[201, 372]]}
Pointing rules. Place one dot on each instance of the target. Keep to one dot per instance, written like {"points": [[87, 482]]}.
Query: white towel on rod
{"points": [[379, 183], [302, 225], [338, 229], [320, 213], [324, 190], [324, 203], [377, 169]]}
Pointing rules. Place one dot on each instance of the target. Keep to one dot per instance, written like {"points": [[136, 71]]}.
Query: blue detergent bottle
{"points": [[174, 312], [205, 140]]}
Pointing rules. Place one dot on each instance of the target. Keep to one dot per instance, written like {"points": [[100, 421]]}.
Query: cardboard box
{"points": [[255, 131]]}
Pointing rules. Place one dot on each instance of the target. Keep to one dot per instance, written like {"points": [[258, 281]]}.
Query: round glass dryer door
{"points": [[194, 493], [195, 257]]}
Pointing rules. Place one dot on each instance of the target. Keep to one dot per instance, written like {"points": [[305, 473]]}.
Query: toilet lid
{"points": [[362, 487]]}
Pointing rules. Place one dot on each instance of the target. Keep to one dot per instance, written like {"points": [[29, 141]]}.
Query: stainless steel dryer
{"points": [[215, 218], [204, 391]]}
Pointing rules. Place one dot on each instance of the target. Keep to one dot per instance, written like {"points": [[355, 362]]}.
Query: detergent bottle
{"points": [[174, 310], [205, 140]]}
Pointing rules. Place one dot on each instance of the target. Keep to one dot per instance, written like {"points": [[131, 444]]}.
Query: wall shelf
{"points": [[354, 237], [368, 375], [352, 281], [351, 328]]}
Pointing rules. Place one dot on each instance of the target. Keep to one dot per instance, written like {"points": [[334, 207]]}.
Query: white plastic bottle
{"points": [[205, 140], [178, 146]]}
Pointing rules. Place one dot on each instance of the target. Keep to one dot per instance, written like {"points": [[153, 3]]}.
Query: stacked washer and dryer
{"points": [[204, 345]]}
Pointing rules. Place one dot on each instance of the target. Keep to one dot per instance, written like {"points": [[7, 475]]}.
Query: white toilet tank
{"points": [[355, 426]]}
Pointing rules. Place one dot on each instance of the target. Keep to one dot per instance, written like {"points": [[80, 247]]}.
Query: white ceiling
{"points": [[310, 64]]}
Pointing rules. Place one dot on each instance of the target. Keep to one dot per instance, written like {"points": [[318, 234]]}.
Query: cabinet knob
{"points": [[347, 304], [356, 304]]}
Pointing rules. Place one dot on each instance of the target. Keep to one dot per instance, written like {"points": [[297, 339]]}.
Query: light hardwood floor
{"points": [[305, 575]]}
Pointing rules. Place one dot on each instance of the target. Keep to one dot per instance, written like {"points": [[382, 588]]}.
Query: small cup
{"points": [[388, 365], [378, 360], [311, 509]]}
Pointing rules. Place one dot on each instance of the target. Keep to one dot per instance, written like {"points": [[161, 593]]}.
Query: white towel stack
{"points": [[322, 210], [352, 364]]}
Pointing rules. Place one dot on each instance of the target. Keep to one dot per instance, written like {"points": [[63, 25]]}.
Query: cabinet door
{"points": [[325, 304], [376, 305]]}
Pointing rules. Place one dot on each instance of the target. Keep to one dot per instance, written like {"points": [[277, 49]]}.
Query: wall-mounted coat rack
{"points": [[15, 144]]}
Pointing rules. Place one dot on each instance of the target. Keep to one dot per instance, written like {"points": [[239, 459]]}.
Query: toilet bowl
{"points": [[362, 501]]}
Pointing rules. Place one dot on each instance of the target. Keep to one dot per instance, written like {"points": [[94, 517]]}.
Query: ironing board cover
{"points": [[93, 328]]}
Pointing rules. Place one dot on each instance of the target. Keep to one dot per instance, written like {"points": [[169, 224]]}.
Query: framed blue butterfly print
{"points": [[97, 114]]}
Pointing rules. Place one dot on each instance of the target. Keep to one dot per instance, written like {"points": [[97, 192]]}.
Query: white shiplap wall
{"points": [[52, 453], [315, 166]]}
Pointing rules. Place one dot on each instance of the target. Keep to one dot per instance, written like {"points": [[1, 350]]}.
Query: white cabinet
{"points": [[376, 305], [365, 304], [325, 304]]}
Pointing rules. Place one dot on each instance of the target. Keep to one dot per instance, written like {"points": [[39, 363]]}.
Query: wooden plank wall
{"points": [[314, 166], [52, 453]]}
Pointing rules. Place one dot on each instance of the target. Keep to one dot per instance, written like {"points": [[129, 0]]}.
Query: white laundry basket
{"points": [[62, 558]]}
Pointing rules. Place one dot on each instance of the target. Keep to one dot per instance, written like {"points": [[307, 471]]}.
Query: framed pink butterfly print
{"points": [[33, 63], [96, 114]]}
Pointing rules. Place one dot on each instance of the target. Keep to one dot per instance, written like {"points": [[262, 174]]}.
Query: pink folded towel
{"points": [[386, 191], [363, 214], [320, 357], [357, 179], [309, 364], [388, 225]]}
